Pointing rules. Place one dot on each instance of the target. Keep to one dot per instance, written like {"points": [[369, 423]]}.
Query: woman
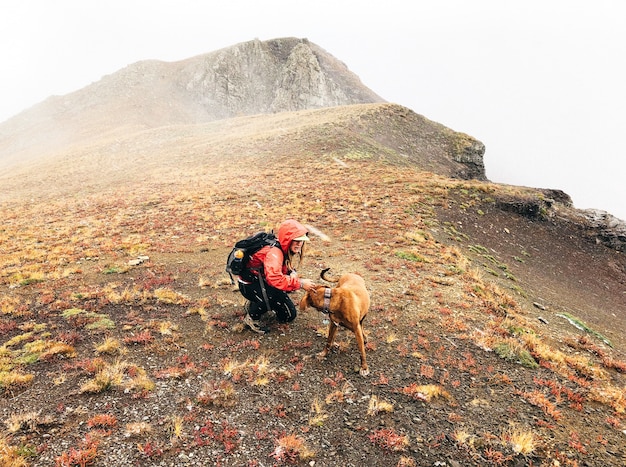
{"points": [[271, 274]]}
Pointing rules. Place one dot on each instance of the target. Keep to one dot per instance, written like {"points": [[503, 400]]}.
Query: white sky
{"points": [[541, 82]]}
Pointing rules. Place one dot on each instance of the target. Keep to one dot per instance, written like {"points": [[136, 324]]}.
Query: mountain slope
{"points": [[246, 79], [496, 334], [123, 339], [382, 132]]}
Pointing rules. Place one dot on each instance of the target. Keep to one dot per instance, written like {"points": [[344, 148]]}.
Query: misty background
{"points": [[540, 83]]}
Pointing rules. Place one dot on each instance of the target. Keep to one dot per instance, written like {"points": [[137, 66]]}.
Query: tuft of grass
{"points": [[100, 322], [291, 449], [10, 455], [118, 374], [576, 322], [611, 396], [108, 377], [18, 339], [411, 256], [88, 319], [42, 350], [462, 437], [137, 429], [166, 328], [391, 338], [110, 346], [138, 379], [317, 415], [170, 296], [513, 351], [128, 295], [481, 250], [219, 394], [425, 392], [521, 441], [200, 311], [377, 406], [11, 379], [176, 427], [405, 461], [9, 305], [71, 312], [27, 422], [23, 279], [390, 440]]}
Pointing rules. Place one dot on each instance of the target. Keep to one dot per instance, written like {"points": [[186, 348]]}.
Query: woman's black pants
{"points": [[278, 300]]}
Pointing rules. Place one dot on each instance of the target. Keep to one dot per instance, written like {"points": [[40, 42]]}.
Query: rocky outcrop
{"points": [[552, 196], [555, 205], [471, 156], [605, 228], [268, 77], [531, 207]]}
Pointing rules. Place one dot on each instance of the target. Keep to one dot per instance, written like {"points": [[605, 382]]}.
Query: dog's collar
{"points": [[327, 294]]}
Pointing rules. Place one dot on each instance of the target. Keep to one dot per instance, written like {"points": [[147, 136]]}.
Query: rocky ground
{"points": [[470, 362]]}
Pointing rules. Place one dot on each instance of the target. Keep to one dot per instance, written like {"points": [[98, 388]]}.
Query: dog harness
{"points": [[327, 293]]}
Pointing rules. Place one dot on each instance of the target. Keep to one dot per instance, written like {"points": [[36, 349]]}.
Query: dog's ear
{"points": [[304, 302]]}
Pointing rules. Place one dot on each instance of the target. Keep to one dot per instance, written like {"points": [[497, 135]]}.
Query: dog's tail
{"points": [[323, 276]]}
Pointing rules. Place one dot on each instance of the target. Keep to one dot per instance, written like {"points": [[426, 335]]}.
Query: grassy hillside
{"points": [[123, 342]]}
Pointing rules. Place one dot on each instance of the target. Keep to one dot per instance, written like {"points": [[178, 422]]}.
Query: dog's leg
{"points": [[332, 331], [360, 341], [362, 330]]}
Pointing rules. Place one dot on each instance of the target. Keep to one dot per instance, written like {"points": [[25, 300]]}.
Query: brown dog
{"points": [[346, 304]]}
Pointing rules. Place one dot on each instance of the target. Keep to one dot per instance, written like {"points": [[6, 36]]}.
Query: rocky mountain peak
{"points": [[247, 79], [268, 77]]}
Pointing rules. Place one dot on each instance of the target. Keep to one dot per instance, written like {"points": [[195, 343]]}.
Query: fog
{"points": [[540, 83]]}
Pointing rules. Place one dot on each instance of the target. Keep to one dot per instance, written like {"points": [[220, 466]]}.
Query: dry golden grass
{"points": [[11, 379], [317, 414], [222, 394], [22, 421], [108, 377], [177, 426], [110, 346], [610, 395], [521, 441], [377, 406], [10, 455], [170, 296], [425, 392], [292, 447], [114, 375]]}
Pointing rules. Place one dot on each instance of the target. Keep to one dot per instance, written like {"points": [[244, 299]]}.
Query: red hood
{"points": [[289, 230]]}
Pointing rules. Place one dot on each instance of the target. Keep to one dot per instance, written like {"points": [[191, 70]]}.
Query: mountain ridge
{"points": [[246, 79]]}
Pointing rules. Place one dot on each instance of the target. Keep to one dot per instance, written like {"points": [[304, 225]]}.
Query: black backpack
{"points": [[244, 249]]}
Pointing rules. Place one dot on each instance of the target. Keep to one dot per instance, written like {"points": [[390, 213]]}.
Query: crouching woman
{"points": [[271, 274]]}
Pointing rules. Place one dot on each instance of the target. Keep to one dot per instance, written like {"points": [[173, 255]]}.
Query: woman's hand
{"points": [[307, 284]]}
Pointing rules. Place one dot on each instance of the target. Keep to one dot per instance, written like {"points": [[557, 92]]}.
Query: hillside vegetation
{"points": [[123, 342], [496, 334]]}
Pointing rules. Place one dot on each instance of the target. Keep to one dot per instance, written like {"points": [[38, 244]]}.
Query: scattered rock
{"points": [[137, 261]]}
